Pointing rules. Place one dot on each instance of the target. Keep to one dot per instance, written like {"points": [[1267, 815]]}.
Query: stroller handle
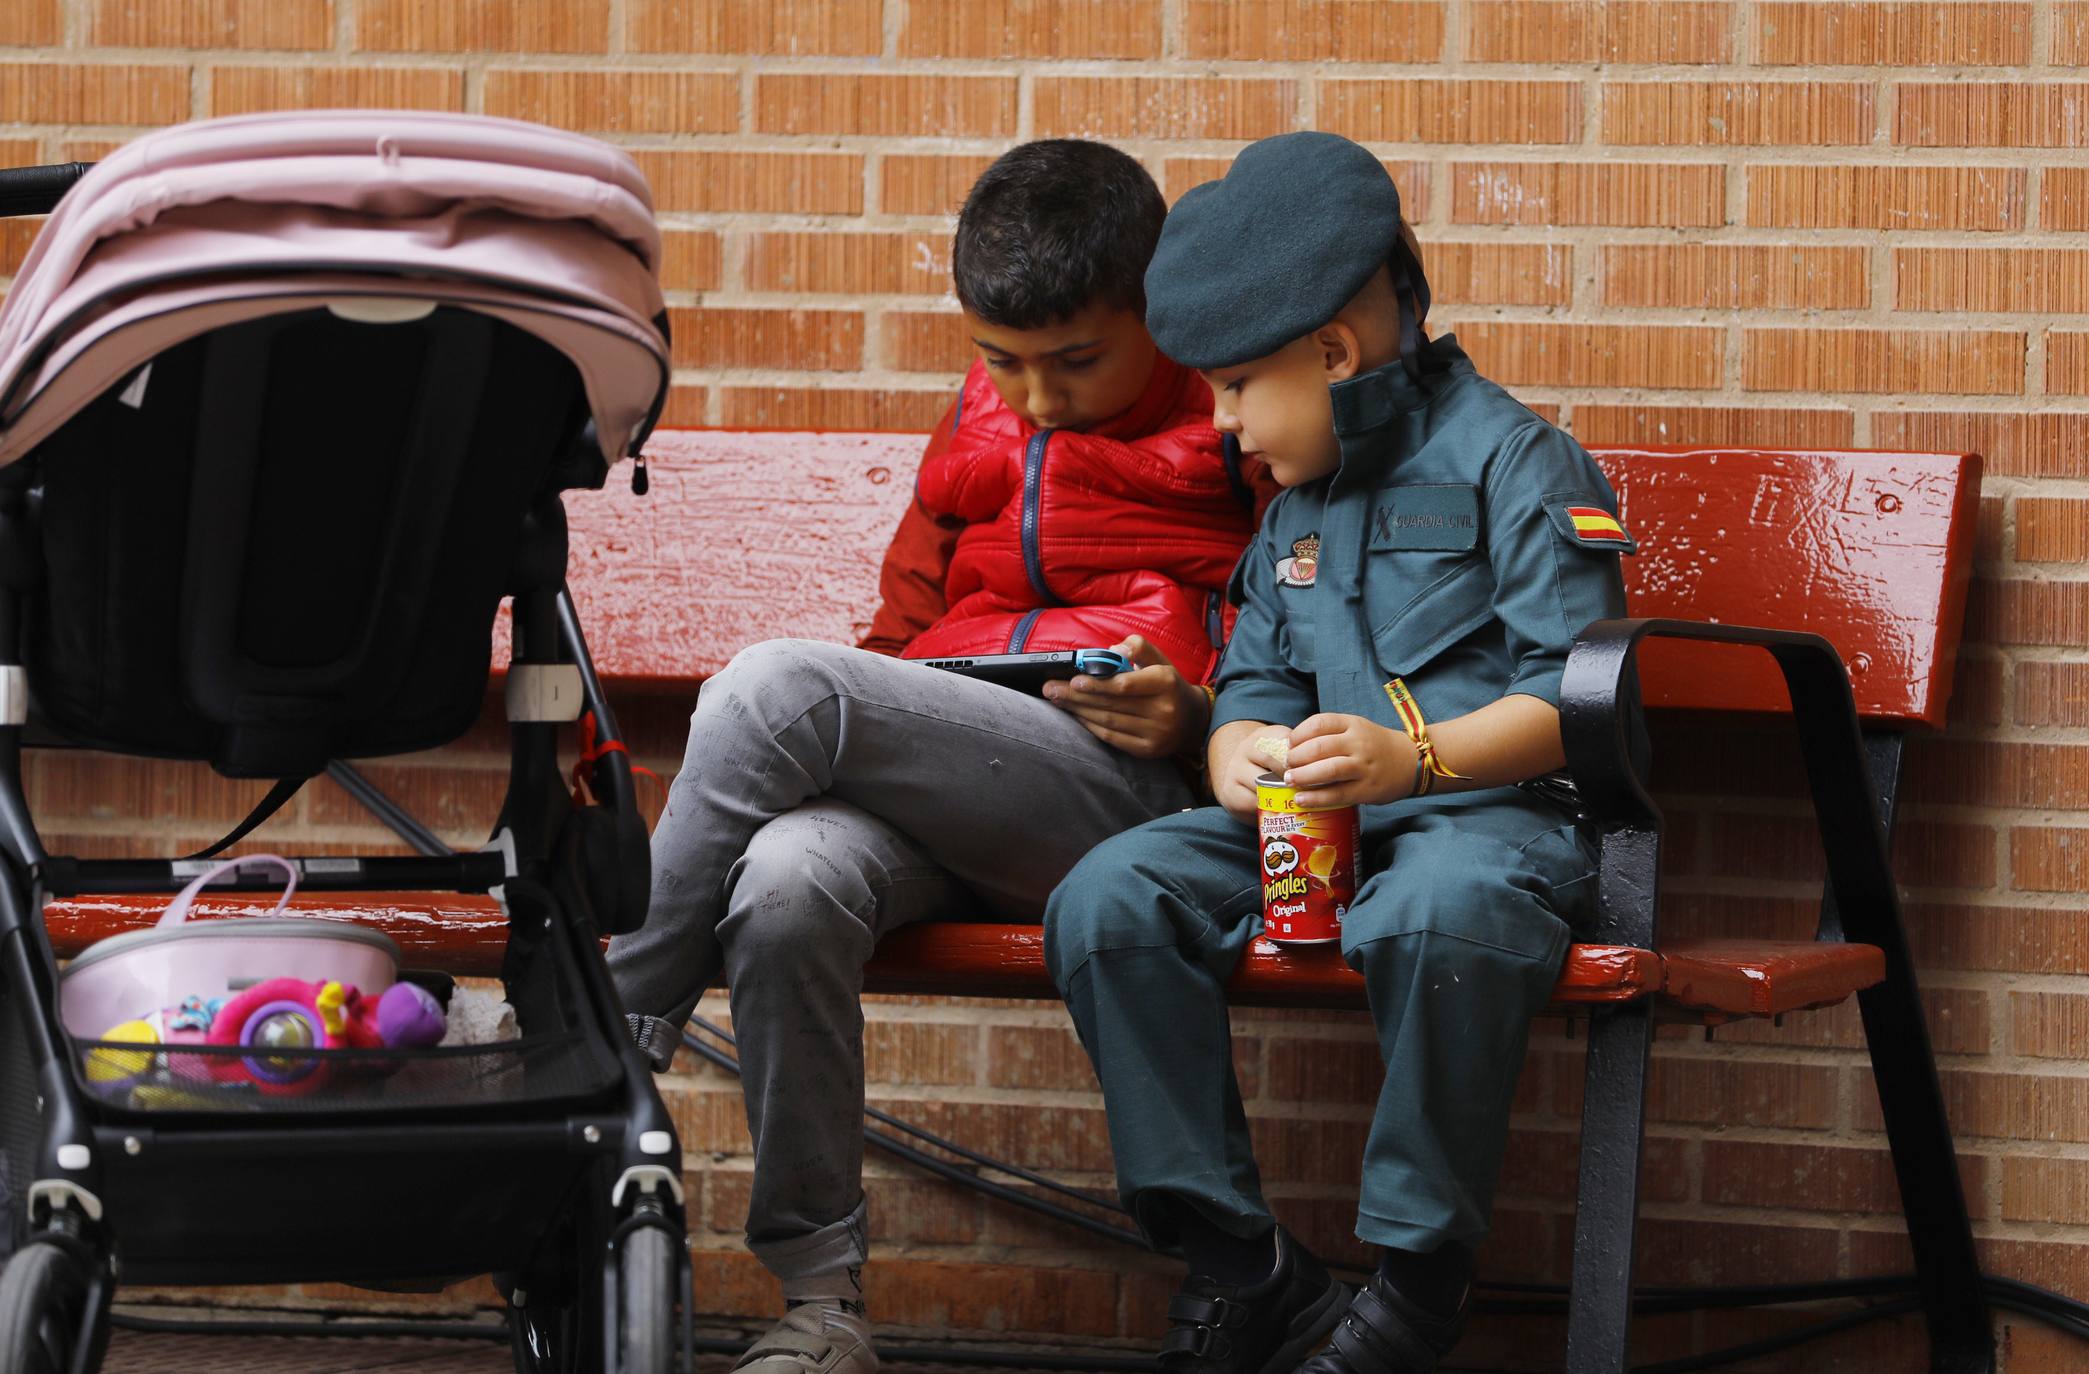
{"points": [[37, 190]]}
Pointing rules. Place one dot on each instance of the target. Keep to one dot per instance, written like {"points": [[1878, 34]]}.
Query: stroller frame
{"points": [[573, 1200]]}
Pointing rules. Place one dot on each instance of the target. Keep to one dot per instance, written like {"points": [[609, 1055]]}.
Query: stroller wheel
{"points": [[545, 1338], [651, 1272], [43, 1297]]}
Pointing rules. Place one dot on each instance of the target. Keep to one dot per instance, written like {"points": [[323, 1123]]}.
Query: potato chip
{"points": [[1275, 748]]}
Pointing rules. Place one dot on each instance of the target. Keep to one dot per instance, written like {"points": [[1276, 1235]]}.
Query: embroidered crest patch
{"points": [[1299, 569]]}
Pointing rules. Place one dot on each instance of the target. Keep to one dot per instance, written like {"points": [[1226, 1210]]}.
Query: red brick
{"points": [[1031, 29], [885, 106], [1805, 114], [1828, 197], [2046, 1189], [1810, 1178], [804, 340], [2016, 279], [2052, 529], [2049, 858], [2049, 693], [1814, 33], [850, 263], [249, 90], [2017, 611], [1697, 1250], [2064, 198], [688, 407], [691, 260], [920, 1052], [926, 184], [1493, 272], [576, 26], [1999, 938], [790, 183], [1705, 276], [1325, 1071], [205, 23], [2066, 363], [2028, 1347], [1163, 106], [1727, 1092], [1413, 179], [1517, 353], [1976, 691], [2015, 444], [1609, 193], [2070, 33], [92, 93], [1959, 1021], [618, 102], [1293, 1149], [771, 28], [834, 408], [1438, 110], [1078, 1141], [1049, 1058], [1313, 31], [1746, 426], [31, 24], [1967, 361], [1593, 31], [2050, 1025], [925, 342], [17, 234], [1991, 114]]}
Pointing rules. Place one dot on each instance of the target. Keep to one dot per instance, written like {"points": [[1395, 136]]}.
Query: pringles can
{"points": [[1309, 863]]}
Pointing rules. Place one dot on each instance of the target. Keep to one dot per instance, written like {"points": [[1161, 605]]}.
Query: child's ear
{"points": [[1341, 353]]}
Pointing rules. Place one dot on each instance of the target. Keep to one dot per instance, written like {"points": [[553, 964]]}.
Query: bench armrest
{"points": [[1600, 723]]}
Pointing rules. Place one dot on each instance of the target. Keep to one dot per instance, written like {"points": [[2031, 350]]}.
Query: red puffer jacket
{"points": [[1027, 539]]}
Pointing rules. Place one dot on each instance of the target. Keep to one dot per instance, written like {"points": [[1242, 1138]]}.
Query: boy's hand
{"points": [[1233, 777], [1348, 761], [1150, 713]]}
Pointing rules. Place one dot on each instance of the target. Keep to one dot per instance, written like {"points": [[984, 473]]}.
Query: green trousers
{"points": [[1459, 929]]}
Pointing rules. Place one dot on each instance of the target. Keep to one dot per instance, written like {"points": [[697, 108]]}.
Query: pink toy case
{"points": [[141, 971]]}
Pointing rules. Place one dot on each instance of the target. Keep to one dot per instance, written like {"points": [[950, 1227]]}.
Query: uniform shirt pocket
{"points": [[1427, 582]]}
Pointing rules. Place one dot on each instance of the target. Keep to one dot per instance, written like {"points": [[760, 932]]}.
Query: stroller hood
{"points": [[206, 224]]}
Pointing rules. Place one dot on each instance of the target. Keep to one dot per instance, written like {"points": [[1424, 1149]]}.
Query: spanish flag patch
{"points": [[1595, 524], [1581, 520]]}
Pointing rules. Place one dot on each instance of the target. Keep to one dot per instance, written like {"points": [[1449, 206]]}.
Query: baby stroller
{"points": [[286, 407]]}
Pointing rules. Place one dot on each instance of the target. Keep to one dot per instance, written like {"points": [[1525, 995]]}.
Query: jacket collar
{"points": [[1371, 400]]}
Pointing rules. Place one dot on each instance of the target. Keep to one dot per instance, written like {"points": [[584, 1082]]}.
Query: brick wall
{"points": [[1777, 223]]}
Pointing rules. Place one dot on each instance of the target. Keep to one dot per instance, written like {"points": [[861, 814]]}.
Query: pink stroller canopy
{"points": [[373, 214]]}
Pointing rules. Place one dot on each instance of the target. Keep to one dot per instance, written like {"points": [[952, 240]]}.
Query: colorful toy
{"points": [[289, 1014], [283, 1014]]}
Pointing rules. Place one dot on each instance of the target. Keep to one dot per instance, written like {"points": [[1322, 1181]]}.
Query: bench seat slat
{"points": [[1700, 979]]}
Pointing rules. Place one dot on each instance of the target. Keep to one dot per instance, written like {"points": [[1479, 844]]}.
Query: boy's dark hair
{"points": [[1053, 227]]}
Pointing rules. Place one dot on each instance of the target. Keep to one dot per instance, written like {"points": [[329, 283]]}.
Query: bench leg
{"points": [[1947, 1268], [1613, 1123]]}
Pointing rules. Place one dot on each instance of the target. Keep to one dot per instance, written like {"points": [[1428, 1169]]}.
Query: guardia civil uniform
{"points": [[1447, 563]]}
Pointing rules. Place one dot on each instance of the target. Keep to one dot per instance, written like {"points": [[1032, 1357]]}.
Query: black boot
{"points": [[1264, 1327], [1385, 1332]]}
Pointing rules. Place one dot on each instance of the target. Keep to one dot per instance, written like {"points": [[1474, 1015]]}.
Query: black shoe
{"points": [[1383, 1332], [656, 1039], [1264, 1328]]}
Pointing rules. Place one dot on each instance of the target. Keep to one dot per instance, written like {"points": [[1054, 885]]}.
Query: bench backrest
{"points": [[749, 536]]}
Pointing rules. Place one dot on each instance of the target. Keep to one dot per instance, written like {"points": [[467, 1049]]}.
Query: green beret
{"points": [[1271, 252]]}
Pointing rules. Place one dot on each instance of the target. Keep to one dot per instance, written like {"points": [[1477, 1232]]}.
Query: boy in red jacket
{"points": [[1075, 496]]}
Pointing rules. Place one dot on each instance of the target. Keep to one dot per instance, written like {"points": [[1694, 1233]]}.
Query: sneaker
{"points": [[812, 1339], [1264, 1328], [1385, 1332], [656, 1039]]}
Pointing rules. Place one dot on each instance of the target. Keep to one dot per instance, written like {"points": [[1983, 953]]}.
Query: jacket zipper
{"points": [[1033, 515], [1023, 627]]}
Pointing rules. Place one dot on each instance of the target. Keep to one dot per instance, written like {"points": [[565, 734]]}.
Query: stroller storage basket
{"points": [[159, 1079]]}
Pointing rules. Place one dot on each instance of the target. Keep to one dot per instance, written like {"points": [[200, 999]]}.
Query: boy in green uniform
{"points": [[1405, 616]]}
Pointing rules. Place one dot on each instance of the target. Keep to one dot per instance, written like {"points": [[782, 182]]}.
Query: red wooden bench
{"points": [[750, 536]]}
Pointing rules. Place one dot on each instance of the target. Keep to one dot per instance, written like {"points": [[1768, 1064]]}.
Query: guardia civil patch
{"points": [[1303, 565]]}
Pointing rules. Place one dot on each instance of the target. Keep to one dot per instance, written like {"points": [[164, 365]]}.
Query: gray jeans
{"points": [[830, 795]]}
